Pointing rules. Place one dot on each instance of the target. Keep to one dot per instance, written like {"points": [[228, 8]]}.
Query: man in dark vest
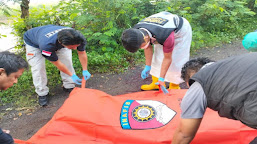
{"points": [[171, 36], [227, 86]]}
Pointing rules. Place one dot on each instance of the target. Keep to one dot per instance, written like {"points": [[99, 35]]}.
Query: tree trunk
{"points": [[24, 8], [25, 12]]}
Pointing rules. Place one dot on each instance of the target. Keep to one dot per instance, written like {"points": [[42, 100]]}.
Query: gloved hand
{"points": [[76, 79], [86, 74], [145, 72], [161, 85]]}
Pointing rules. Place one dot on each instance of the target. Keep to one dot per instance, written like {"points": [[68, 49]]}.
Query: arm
{"points": [[148, 55], [186, 131], [193, 107], [61, 67], [83, 59], [168, 47], [165, 64]]}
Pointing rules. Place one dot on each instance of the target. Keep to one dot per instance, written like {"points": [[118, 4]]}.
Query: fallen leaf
{"points": [[8, 109], [25, 108], [20, 114], [29, 113]]}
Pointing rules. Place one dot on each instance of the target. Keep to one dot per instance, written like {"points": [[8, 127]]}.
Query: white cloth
{"points": [[180, 55], [37, 63]]}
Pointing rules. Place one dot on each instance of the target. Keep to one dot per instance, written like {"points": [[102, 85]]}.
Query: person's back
{"points": [[43, 36], [161, 25], [230, 87], [227, 86]]}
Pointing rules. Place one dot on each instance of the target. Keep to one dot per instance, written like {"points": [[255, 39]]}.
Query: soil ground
{"points": [[27, 124]]}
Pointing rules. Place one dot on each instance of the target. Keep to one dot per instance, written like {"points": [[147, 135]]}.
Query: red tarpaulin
{"points": [[91, 116]]}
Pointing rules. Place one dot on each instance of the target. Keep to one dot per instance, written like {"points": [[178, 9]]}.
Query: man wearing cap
{"points": [[227, 86], [171, 36], [54, 43]]}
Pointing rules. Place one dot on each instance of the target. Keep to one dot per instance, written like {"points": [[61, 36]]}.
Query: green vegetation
{"points": [[102, 22]]}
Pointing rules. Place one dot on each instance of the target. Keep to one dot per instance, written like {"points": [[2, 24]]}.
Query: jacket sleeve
{"points": [[5, 138]]}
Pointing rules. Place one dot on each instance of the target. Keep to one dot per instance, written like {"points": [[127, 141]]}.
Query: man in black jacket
{"points": [[227, 86], [11, 68]]}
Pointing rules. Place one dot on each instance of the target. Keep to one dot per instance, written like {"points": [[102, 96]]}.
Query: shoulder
{"points": [[194, 103]]}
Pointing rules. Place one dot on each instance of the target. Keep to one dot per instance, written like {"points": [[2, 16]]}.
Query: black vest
{"points": [[163, 28], [230, 87]]}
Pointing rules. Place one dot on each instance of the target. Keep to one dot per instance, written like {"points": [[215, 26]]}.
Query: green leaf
{"points": [[97, 34], [187, 8], [221, 9], [73, 15]]}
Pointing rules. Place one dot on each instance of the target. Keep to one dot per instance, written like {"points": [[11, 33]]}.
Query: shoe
{"points": [[151, 86], [67, 89], [174, 86], [42, 100]]}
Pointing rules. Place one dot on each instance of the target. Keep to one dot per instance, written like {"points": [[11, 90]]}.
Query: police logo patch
{"points": [[145, 114], [155, 20]]}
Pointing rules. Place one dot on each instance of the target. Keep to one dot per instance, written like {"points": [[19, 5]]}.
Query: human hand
{"points": [[145, 72], [161, 84], [76, 79], [86, 74], [6, 131]]}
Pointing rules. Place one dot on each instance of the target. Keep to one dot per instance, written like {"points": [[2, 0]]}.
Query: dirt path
{"points": [[27, 125]]}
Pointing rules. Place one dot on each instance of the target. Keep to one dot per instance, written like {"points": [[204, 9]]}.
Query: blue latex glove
{"points": [[76, 79], [86, 74], [161, 84], [145, 72]]}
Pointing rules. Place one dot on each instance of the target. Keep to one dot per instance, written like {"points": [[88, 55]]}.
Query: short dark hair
{"points": [[70, 37], [11, 62], [193, 65], [132, 39]]}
